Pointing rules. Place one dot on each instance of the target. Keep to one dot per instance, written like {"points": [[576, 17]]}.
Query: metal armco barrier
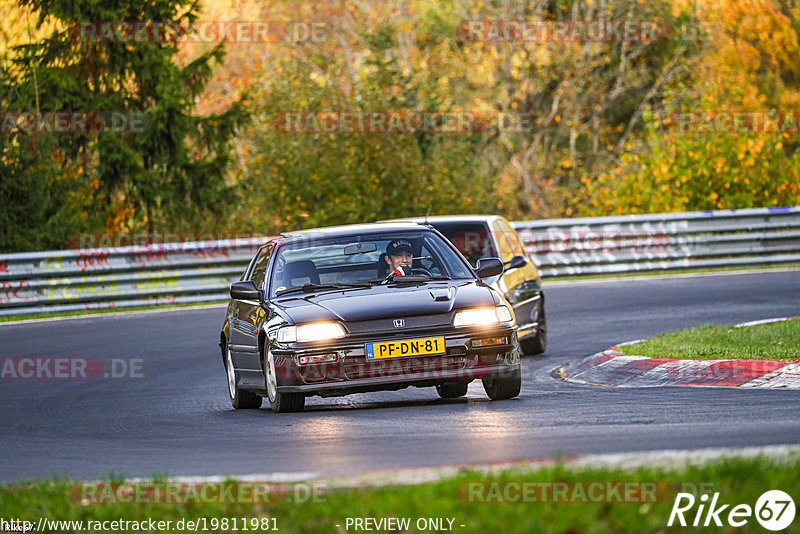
{"points": [[172, 273], [663, 241], [164, 273]]}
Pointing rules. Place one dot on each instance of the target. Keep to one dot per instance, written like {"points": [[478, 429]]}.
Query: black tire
{"points": [[503, 386], [240, 399], [451, 390], [538, 343], [280, 402]]}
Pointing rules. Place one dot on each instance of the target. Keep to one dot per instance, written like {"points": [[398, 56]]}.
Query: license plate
{"points": [[408, 347]]}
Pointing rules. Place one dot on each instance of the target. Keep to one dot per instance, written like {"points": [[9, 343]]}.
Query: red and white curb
{"points": [[614, 368]]}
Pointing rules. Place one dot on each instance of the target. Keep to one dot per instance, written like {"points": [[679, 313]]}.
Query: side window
{"points": [[260, 268], [502, 241]]}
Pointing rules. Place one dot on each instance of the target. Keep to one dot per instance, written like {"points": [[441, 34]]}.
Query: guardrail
{"points": [[202, 271], [663, 241], [163, 273]]}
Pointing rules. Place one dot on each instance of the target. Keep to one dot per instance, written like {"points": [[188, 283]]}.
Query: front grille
{"points": [[413, 325]]}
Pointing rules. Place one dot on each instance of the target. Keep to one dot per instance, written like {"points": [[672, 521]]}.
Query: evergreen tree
{"points": [[152, 164]]}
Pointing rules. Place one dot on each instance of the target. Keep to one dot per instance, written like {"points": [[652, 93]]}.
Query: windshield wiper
{"points": [[309, 288]]}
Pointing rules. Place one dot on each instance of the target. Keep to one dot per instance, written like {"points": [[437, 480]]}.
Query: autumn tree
{"points": [[162, 170], [375, 57], [691, 157]]}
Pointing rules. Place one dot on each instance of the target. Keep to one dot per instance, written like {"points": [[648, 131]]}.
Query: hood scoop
{"points": [[443, 294]]}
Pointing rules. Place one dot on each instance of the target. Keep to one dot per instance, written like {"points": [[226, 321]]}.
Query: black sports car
{"points": [[360, 308]]}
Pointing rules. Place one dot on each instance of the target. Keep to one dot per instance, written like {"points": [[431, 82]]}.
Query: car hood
{"points": [[385, 301]]}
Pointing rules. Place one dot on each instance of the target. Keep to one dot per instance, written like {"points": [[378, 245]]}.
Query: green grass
{"points": [[771, 341], [738, 480], [26, 316]]}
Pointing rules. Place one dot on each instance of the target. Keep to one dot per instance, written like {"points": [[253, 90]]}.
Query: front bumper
{"points": [[351, 372]]}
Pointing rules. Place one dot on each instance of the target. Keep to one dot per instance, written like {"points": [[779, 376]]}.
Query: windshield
{"points": [[349, 260]]}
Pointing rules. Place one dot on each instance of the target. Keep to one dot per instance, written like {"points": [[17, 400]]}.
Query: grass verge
{"points": [[771, 341], [46, 315], [585, 503]]}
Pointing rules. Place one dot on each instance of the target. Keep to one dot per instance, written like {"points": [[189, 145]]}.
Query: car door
{"points": [[248, 316]]}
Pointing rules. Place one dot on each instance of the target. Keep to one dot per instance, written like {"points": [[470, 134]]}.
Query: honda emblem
{"points": [[399, 323]]}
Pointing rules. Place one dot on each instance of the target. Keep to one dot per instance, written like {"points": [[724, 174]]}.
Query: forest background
{"points": [[703, 116]]}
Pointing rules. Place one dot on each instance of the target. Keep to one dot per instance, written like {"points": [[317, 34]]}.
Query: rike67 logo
{"points": [[774, 510]]}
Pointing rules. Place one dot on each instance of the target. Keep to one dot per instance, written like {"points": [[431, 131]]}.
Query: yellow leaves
{"points": [[566, 163], [558, 118], [317, 78]]}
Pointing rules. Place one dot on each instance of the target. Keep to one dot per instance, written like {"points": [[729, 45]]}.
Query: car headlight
{"points": [[310, 332], [482, 316]]}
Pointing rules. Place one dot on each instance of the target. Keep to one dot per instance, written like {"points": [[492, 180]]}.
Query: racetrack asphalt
{"points": [[176, 418]]}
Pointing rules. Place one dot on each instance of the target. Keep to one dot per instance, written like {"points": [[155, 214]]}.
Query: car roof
{"points": [[451, 219], [353, 229]]}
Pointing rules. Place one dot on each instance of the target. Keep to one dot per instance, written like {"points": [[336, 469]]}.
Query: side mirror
{"points": [[245, 290], [516, 262], [489, 267]]}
